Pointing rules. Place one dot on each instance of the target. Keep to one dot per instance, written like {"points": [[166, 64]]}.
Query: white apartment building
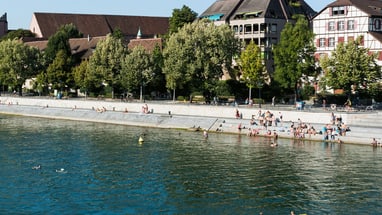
{"points": [[346, 20]]}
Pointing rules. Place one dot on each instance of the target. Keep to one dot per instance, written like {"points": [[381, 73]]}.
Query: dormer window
{"points": [[339, 10]]}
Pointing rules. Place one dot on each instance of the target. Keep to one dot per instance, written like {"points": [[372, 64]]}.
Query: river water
{"points": [[90, 168]]}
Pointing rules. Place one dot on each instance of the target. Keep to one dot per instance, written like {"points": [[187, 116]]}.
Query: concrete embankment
{"points": [[364, 126]]}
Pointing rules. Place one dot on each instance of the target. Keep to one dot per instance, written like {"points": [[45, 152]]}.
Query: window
{"points": [[341, 25], [263, 27], [332, 26], [273, 28], [322, 42], [377, 24], [263, 42], [332, 42], [255, 28], [247, 29], [340, 10], [235, 28], [273, 40], [351, 25]]}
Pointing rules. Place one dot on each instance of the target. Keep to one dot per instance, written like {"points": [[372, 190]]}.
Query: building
{"points": [[95, 28], [346, 20], [3, 25], [259, 20], [45, 25]]}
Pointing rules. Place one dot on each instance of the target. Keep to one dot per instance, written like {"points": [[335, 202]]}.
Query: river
{"points": [[70, 167]]}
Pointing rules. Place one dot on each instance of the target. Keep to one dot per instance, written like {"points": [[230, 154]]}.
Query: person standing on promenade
{"points": [[374, 143], [237, 114]]}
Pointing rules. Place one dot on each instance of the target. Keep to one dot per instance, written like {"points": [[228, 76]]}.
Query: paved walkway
{"points": [[357, 135]]}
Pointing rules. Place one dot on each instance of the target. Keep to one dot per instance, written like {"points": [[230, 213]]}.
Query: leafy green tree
{"points": [[18, 34], [253, 69], [82, 77], [350, 65], [105, 63], [59, 72], [174, 65], [158, 83], [197, 55], [18, 62], [117, 33], [137, 70], [60, 41], [294, 55], [180, 17]]}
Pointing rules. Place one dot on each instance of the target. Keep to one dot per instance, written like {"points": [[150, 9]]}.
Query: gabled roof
{"points": [[279, 9], [82, 47], [147, 44], [224, 7], [371, 7], [101, 25]]}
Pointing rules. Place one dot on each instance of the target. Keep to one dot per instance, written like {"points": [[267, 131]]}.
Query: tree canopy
{"points": [[17, 34], [137, 70], [252, 67], [180, 17], [294, 55], [350, 65], [105, 63], [60, 41], [18, 62], [197, 55]]}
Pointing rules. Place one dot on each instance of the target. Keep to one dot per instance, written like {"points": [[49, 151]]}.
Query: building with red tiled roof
{"points": [[96, 27], [45, 25]]}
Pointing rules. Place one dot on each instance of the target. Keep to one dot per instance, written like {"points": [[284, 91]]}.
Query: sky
{"points": [[19, 12]]}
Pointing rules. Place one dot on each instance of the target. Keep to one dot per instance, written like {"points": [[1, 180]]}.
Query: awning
{"points": [[214, 17], [254, 13]]}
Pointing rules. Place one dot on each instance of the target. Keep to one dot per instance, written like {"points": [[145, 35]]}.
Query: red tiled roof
{"points": [[79, 46], [101, 25], [148, 44]]}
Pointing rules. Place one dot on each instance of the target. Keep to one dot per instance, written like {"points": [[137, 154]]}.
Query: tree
{"points": [[253, 69], [60, 41], [18, 62], [197, 55], [158, 83], [105, 63], [137, 70], [59, 72], [82, 77], [18, 34], [174, 66], [294, 55], [350, 65], [117, 33], [180, 17]]}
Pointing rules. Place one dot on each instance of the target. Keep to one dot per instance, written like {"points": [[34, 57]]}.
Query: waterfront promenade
{"points": [[364, 126]]}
